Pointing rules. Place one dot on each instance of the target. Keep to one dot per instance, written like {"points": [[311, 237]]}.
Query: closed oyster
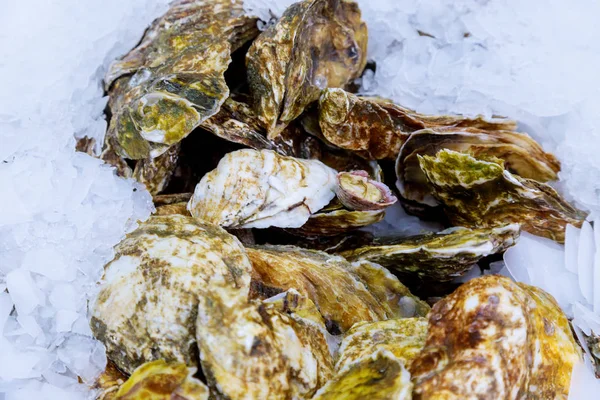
{"points": [[316, 44], [357, 191], [376, 128], [259, 189], [146, 307], [155, 173], [521, 155], [329, 281], [436, 256], [477, 193], [177, 79], [380, 376], [157, 380], [256, 350], [496, 339]]}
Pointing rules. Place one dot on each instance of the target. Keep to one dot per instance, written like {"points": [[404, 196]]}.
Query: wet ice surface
{"points": [[61, 212]]}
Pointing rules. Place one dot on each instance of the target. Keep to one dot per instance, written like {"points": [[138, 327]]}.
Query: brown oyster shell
{"points": [[496, 339], [376, 128], [259, 189], [109, 382], [478, 194], [358, 192], [155, 173], [439, 256], [315, 44], [340, 295], [521, 155], [146, 307]]}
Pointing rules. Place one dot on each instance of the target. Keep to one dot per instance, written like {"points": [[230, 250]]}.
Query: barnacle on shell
{"points": [[477, 193]]}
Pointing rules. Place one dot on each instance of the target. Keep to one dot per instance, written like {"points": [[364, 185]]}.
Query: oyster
{"points": [[157, 380], [108, 383], [521, 155], [477, 193], [173, 80], [256, 350], [155, 173], [436, 256], [496, 339], [357, 191], [339, 294], [146, 307], [380, 376], [376, 128], [315, 44], [259, 189]]}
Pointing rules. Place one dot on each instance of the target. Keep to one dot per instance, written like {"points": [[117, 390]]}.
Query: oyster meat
{"points": [[259, 189], [439, 256], [314, 45], [147, 304], [157, 380], [376, 128], [521, 155], [339, 294], [477, 193], [496, 339]]}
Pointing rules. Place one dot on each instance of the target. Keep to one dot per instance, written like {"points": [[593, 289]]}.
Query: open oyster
{"points": [[496, 339], [376, 128], [259, 189], [314, 45], [436, 256], [146, 307], [477, 193], [157, 380], [173, 80], [521, 155], [256, 350], [340, 295]]}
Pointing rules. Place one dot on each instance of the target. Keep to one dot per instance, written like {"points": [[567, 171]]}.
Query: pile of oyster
{"points": [[254, 279]]}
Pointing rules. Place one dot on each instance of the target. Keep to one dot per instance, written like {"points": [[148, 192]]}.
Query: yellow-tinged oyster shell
{"points": [[109, 382], [358, 192], [521, 155], [157, 380], [495, 339], [316, 44], [329, 281], [259, 189], [146, 307], [256, 350], [477, 193], [378, 377], [404, 338], [155, 173], [376, 128], [436, 256], [178, 79]]}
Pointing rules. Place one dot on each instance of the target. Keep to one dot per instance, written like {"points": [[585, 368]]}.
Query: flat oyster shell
{"points": [[477, 193], [439, 256], [376, 128], [256, 350], [329, 281], [157, 380], [146, 307], [521, 155], [378, 377], [177, 79], [315, 44], [496, 339], [259, 189]]}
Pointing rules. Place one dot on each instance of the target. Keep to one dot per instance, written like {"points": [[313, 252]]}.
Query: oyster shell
{"points": [[146, 307], [256, 350], [378, 377], [436, 256], [315, 44], [376, 128], [339, 294], [109, 382], [259, 189], [521, 155], [496, 339], [155, 173], [477, 193], [177, 79], [356, 191], [157, 380]]}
